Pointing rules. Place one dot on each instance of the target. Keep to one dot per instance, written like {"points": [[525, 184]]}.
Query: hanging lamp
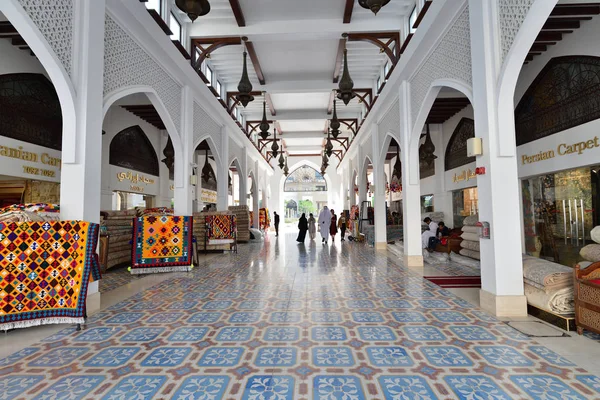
{"points": [[286, 170], [329, 145], [346, 84], [281, 160], [334, 124], [264, 124], [275, 146], [398, 166], [193, 8], [427, 149], [206, 169], [373, 5], [245, 86]]}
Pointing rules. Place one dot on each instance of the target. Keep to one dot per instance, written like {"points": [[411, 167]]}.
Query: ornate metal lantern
{"points": [[193, 8], [264, 124], [346, 84], [275, 146], [245, 86], [329, 145], [335, 123], [286, 170], [281, 160], [427, 150], [398, 166], [206, 169], [373, 5]]}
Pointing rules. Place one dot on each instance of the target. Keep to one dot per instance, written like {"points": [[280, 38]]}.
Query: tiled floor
{"points": [[282, 321], [115, 278]]}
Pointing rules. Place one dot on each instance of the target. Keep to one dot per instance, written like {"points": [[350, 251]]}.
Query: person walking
{"points": [[302, 227], [276, 221], [333, 226], [324, 224], [312, 229], [342, 225]]}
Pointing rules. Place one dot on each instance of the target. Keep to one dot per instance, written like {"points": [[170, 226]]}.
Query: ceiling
{"points": [[297, 44]]}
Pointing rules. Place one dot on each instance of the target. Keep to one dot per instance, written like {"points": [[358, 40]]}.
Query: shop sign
{"points": [[30, 164], [134, 178], [208, 196], [132, 181], [465, 175], [562, 149]]}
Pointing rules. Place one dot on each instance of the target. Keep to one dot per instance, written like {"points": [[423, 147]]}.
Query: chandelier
{"points": [[346, 84], [275, 146], [373, 5], [193, 8], [335, 123], [264, 124], [245, 86]]}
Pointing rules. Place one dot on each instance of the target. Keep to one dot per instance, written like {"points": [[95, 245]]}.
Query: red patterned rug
{"points": [[456, 281]]}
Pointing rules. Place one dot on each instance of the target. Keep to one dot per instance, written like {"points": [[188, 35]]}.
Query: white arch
{"points": [[297, 165], [386, 144], [211, 145], [510, 70], [63, 85]]}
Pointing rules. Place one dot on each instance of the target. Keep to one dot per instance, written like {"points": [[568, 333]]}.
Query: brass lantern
{"points": [[275, 146], [281, 160], [346, 85], [286, 170], [193, 8], [264, 124], [329, 145], [373, 5], [245, 86], [335, 123]]}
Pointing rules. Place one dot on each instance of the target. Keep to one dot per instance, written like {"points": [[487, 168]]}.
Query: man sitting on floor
{"points": [[442, 231], [425, 236]]}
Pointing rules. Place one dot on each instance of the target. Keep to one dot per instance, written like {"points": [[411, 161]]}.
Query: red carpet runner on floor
{"points": [[456, 281]]}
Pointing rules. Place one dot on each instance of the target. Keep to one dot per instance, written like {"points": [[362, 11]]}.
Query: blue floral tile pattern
{"points": [[59, 357], [166, 357], [406, 387], [276, 357], [545, 387], [337, 387], [328, 334], [366, 316], [503, 356], [112, 357], [142, 334], [424, 333], [71, 387], [476, 387], [332, 356], [187, 335], [205, 318], [14, 385], [389, 356], [221, 357], [591, 381], [202, 387], [409, 316], [269, 387], [376, 334], [234, 334], [136, 387], [475, 333], [284, 334], [550, 356], [446, 356]]}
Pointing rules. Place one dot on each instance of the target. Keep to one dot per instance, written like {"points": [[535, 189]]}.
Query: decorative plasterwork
{"points": [[205, 125], [451, 59], [511, 15], [54, 19], [391, 121], [127, 64]]}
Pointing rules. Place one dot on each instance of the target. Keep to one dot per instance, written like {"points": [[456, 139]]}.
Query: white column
{"points": [[501, 260], [223, 181], [411, 184], [183, 189], [379, 183], [80, 191], [243, 178], [351, 193]]}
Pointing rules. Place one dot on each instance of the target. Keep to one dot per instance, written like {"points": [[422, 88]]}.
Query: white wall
{"points": [[15, 60]]}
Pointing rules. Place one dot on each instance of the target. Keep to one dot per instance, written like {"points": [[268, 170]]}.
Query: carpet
{"points": [[45, 269], [161, 244], [455, 281], [221, 229]]}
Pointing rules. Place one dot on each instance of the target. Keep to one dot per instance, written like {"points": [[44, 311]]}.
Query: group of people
{"points": [[328, 226], [430, 238]]}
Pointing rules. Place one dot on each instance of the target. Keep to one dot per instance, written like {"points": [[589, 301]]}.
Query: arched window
{"points": [[566, 93], [30, 110], [456, 151], [305, 179], [131, 149]]}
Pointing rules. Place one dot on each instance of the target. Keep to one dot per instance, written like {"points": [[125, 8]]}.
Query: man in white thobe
{"points": [[432, 232], [324, 223]]}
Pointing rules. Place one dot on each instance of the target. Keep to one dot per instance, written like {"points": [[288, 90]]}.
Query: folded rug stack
{"points": [[119, 227], [242, 215], [591, 252], [38, 212], [199, 231], [470, 238], [548, 285]]}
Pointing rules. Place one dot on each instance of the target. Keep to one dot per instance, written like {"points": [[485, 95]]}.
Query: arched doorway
{"points": [[305, 190]]}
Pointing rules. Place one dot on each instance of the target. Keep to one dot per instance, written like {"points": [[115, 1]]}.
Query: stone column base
{"points": [[380, 245], [413, 261], [503, 306]]}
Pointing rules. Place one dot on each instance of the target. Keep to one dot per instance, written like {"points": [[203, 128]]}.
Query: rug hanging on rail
{"points": [[45, 269], [161, 244], [264, 220], [221, 229]]}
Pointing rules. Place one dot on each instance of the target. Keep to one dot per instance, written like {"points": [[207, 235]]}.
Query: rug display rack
{"points": [[221, 229], [242, 216], [118, 226], [199, 231]]}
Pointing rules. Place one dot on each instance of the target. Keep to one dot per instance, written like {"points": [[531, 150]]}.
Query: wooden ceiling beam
{"points": [[338, 61], [561, 23], [575, 9], [388, 42], [422, 14], [548, 36], [270, 104], [330, 104], [255, 62], [348, 11], [237, 13]]}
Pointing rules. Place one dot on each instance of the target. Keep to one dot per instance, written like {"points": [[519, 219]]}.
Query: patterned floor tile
{"points": [[337, 387], [406, 387], [545, 387], [377, 334], [202, 387], [269, 387], [389, 356], [13, 385], [276, 357], [166, 357], [112, 357], [71, 387], [136, 387], [476, 387], [332, 356], [326, 334], [446, 356], [221, 357], [503, 356]]}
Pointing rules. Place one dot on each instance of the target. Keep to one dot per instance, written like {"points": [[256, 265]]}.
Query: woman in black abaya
{"points": [[303, 228]]}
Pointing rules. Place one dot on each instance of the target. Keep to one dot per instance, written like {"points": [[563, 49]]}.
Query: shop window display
{"points": [[427, 203], [464, 203]]}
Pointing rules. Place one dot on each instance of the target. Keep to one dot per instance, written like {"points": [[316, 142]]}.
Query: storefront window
{"points": [[427, 203], [464, 203], [127, 201], [558, 213]]}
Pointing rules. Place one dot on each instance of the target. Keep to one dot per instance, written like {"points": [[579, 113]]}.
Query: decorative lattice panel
{"points": [[451, 59], [127, 64], [204, 124], [511, 14], [391, 122], [54, 19]]}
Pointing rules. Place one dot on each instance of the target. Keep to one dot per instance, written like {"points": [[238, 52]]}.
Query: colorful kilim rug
{"points": [[161, 244], [251, 219], [44, 272], [264, 221], [221, 229]]}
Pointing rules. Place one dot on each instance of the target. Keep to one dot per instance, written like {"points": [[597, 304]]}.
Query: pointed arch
{"points": [[143, 159]]}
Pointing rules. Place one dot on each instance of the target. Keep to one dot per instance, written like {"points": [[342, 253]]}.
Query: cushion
{"points": [[595, 234], [471, 229], [470, 236], [596, 281], [591, 252], [471, 220], [470, 253], [469, 245]]}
